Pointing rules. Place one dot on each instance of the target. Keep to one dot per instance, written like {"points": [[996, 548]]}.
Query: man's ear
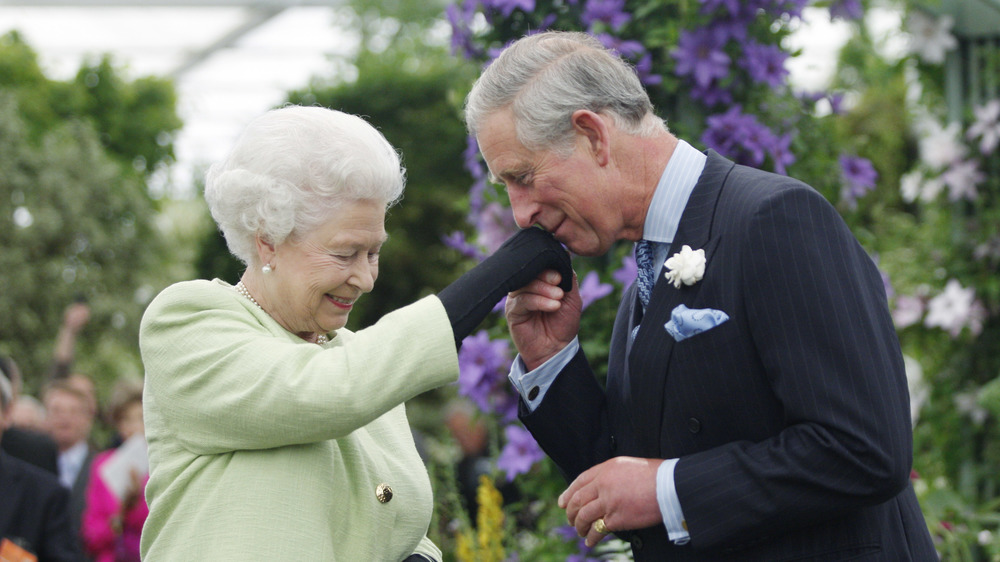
{"points": [[595, 130]]}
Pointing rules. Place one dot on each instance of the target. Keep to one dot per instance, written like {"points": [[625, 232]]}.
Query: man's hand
{"points": [[622, 490], [543, 318]]}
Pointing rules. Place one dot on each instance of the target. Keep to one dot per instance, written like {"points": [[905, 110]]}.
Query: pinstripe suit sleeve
{"points": [[819, 320], [571, 424]]}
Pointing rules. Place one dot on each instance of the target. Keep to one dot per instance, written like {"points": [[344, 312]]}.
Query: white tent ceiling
{"points": [[231, 60]]}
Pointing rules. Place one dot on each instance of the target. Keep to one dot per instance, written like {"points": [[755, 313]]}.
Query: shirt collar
{"points": [[70, 462], [672, 192]]}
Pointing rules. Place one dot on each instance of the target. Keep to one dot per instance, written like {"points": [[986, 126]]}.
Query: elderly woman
{"points": [[275, 433]]}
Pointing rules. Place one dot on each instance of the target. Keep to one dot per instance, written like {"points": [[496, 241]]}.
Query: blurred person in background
{"points": [[34, 516], [28, 443], [274, 432], [115, 507], [28, 413], [70, 418]]}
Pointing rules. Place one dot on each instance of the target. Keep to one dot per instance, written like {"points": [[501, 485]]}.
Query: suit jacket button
{"points": [[614, 444], [636, 542], [383, 493], [694, 426]]}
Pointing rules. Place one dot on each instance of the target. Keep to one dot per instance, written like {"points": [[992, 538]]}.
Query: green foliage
{"points": [[135, 119], [75, 217]]}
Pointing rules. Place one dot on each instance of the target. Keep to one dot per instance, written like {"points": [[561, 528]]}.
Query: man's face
{"points": [[69, 418], [570, 197]]}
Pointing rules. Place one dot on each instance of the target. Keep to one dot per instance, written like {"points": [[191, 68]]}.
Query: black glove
{"points": [[515, 264]]}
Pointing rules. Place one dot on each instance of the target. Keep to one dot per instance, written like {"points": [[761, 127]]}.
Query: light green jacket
{"points": [[265, 447]]}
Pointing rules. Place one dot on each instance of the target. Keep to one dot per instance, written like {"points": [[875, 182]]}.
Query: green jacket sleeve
{"points": [[227, 377]]}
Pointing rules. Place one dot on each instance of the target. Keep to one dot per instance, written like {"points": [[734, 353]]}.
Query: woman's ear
{"points": [[265, 250], [594, 129]]}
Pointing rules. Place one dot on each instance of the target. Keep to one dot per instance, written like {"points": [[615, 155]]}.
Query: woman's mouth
{"points": [[342, 303]]}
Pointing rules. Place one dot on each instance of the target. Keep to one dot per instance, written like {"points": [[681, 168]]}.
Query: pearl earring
{"points": [[266, 269]]}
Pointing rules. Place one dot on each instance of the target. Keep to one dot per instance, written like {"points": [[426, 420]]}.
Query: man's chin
{"points": [[584, 249]]}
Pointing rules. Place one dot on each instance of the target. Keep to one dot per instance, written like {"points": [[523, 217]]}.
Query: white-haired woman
{"points": [[274, 433]]}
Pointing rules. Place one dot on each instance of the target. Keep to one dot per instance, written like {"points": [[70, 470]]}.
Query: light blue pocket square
{"points": [[686, 322]]}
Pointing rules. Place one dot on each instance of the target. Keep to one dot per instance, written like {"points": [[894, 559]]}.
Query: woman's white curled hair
{"points": [[290, 168]]}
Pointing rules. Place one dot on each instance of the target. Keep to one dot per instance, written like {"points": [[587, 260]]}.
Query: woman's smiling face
{"points": [[317, 277]]}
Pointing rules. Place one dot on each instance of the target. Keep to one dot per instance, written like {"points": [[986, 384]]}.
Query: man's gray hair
{"points": [[290, 168], [544, 78]]}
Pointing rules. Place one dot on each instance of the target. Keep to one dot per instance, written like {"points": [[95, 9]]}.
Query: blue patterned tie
{"points": [[646, 273]]}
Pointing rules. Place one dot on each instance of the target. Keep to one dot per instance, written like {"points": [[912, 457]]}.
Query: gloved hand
{"points": [[516, 263]]}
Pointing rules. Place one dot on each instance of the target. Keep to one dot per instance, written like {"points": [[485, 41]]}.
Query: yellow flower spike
{"points": [[489, 520], [463, 548]]}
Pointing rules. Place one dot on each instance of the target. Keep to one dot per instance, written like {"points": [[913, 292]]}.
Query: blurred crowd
{"points": [[72, 467]]}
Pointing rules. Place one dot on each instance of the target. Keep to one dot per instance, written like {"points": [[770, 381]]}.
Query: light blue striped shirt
{"points": [[662, 218]]}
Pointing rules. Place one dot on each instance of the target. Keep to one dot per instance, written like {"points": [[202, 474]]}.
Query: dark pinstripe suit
{"points": [[791, 420]]}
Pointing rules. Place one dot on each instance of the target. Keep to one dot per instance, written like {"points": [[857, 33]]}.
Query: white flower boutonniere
{"points": [[686, 266]]}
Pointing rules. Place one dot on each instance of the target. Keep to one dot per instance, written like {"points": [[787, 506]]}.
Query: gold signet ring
{"points": [[600, 527]]}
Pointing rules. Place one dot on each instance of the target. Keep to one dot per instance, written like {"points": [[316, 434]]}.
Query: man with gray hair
{"points": [[34, 520], [756, 405]]}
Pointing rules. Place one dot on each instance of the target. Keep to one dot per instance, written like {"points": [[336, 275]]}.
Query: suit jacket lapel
{"points": [[650, 353]]}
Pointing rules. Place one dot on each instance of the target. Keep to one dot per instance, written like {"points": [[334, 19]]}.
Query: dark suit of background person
{"points": [[37, 448], [33, 447], [33, 507], [790, 420]]}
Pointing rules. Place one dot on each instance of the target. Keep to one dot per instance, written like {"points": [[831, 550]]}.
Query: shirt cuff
{"points": [[670, 504], [533, 385]]}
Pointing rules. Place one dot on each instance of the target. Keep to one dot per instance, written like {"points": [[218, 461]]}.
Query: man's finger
{"points": [[582, 480]]}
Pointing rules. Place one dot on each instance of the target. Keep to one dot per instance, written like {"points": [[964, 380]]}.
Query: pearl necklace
{"points": [[242, 289]]}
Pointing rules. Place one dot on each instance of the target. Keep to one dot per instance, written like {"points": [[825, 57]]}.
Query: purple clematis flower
{"points": [[711, 95], [483, 365], [456, 241], [470, 158], [611, 12], [741, 137], [765, 63], [591, 289], [520, 453], [495, 224], [859, 178], [782, 155], [644, 68], [731, 6], [699, 55], [507, 7], [460, 18], [627, 273]]}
